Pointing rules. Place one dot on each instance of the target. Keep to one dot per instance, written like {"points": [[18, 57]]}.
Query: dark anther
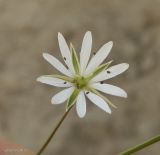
{"points": [[64, 58], [94, 53], [102, 82], [67, 67], [108, 72], [87, 92], [65, 82]]}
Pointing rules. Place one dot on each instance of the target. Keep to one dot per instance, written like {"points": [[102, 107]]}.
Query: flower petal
{"points": [[99, 57], [109, 89], [53, 81], [62, 96], [111, 72], [98, 70], [99, 102], [81, 105], [65, 51], [85, 51], [57, 64]]}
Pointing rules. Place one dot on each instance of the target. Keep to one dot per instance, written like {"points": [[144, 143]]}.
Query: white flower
{"points": [[84, 78]]}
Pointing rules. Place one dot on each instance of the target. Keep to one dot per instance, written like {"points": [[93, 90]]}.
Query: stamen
{"points": [[67, 67], [87, 92], [102, 82], [65, 82], [108, 72], [77, 86], [64, 58]]}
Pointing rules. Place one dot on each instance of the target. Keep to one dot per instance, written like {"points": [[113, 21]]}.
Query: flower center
{"points": [[81, 82]]}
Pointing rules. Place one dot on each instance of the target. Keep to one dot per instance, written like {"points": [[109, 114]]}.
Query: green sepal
{"points": [[99, 70], [75, 61], [103, 97], [65, 78], [72, 98]]}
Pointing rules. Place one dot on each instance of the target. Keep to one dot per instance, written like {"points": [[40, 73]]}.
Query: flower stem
{"points": [[53, 132], [141, 146]]}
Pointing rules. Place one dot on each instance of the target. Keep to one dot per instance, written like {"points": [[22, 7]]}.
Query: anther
{"points": [[65, 82], [108, 72], [102, 82], [87, 92], [64, 58], [94, 53], [67, 67]]}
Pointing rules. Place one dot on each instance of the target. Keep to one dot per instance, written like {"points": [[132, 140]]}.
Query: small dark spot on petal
{"points": [[87, 92], [108, 72], [94, 53], [65, 82], [64, 58], [102, 82]]}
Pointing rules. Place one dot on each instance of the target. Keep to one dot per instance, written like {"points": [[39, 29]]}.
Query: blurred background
{"points": [[29, 28]]}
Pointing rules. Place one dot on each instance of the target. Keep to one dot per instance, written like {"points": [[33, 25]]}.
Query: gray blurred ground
{"points": [[28, 28]]}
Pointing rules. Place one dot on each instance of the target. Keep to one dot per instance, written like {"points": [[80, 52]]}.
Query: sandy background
{"points": [[29, 27]]}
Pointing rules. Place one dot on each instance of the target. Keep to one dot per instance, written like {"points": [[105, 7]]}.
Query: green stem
{"points": [[141, 146], [53, 132]]}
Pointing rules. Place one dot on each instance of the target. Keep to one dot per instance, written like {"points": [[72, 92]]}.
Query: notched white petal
{"points": [[53, 81], [98, 101], [85, 50], [62, 96], [81, 105], [65, 51], [109, 89], [99, 57], [57, 64], [111, 72], [117, 69]]}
